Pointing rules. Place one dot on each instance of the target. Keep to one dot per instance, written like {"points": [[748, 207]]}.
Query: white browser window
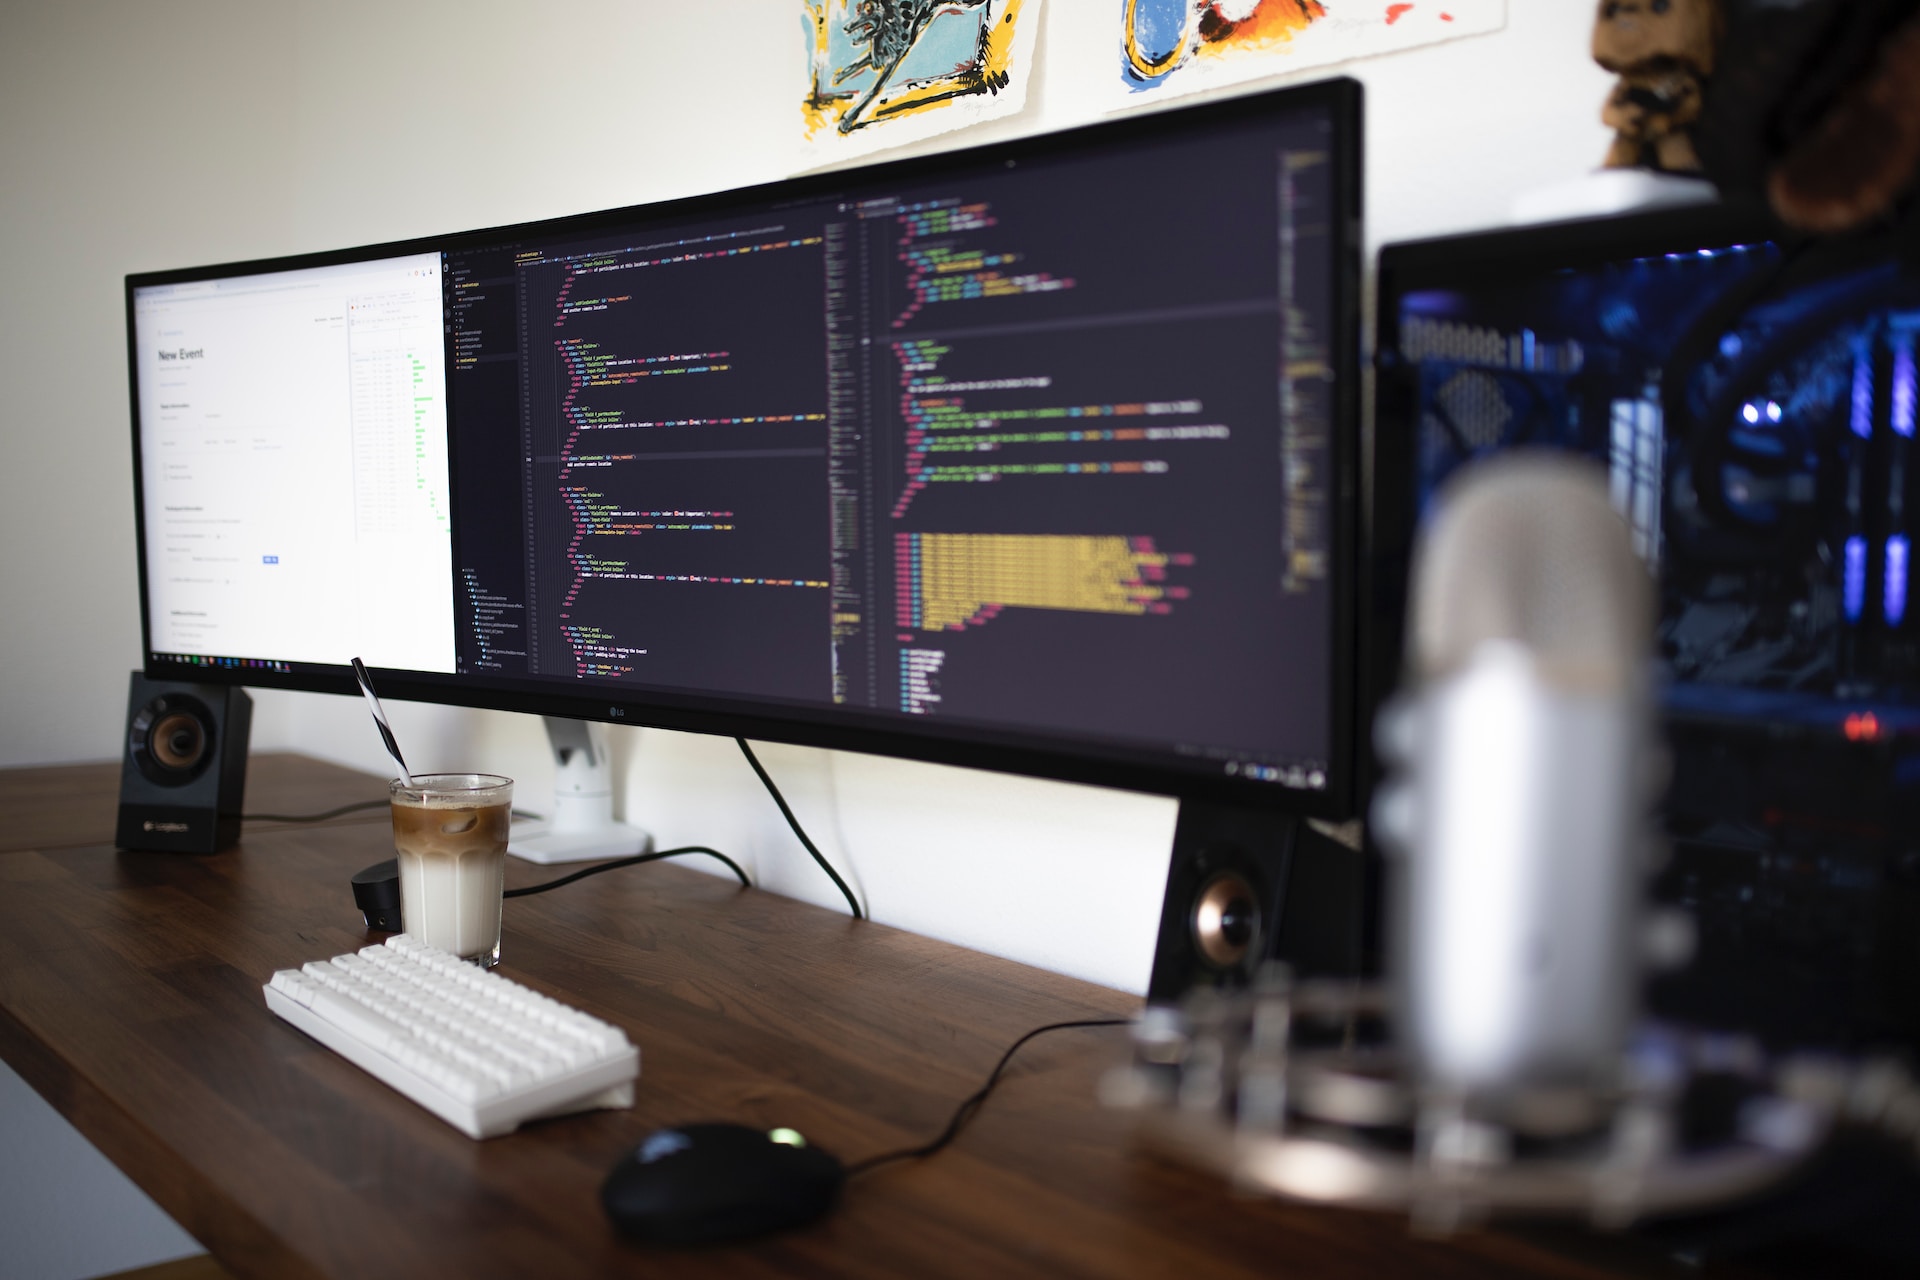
{"points": [[293, 437]]}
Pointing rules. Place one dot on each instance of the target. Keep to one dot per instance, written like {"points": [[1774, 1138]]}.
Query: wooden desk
{"points": [[130, 998]]}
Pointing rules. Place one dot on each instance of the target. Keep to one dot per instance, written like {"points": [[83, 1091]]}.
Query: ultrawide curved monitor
{"points": [[1039, 457]]}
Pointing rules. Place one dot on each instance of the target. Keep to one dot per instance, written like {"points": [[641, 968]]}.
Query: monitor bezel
{"points": [[874, 733]]}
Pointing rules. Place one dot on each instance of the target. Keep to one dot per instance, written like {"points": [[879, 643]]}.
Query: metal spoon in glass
{"points": [[380, 720]]}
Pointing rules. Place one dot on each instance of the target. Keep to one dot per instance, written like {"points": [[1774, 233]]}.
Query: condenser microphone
{"points": [[1520, 805]]}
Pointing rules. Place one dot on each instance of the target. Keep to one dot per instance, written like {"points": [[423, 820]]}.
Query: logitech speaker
{"points": [[183, 766], [1247, 886]]}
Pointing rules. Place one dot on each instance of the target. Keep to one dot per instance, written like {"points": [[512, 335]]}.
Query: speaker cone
{"points": [[171, 739], [1226, 920], [178, 741]]}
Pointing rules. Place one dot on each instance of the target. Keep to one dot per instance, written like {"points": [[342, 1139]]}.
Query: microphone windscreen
{"points": [[1526, 548]]}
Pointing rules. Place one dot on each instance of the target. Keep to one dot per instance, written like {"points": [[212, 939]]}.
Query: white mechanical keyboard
{"points": [[480, 1052]]}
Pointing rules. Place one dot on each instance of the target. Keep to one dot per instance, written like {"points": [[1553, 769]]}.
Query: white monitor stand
{"points": [[582, 826]]}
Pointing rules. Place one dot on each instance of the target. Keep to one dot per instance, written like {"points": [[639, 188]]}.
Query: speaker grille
{"points": [[1525, 548]]}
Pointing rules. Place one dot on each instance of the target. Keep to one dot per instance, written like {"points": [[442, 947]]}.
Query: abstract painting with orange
{"points": [[1179, 46], [1271, 22]]}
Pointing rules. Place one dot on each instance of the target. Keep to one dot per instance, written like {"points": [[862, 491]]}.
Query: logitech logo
{"points": [[173, 828]]}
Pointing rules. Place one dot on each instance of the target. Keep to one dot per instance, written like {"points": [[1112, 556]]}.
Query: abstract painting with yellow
{"points": [[881, 70]]}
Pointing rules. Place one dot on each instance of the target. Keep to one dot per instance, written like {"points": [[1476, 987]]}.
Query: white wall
{"points": [[145, 135]]}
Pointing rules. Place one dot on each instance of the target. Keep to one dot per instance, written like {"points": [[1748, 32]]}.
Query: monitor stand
{"points": [[582, 826]]}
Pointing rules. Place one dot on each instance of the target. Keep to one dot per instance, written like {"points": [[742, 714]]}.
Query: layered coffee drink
{"points": [[450, 834]]}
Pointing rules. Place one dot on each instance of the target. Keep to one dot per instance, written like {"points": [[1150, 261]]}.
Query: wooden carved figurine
{"points": [[1662, 50]]}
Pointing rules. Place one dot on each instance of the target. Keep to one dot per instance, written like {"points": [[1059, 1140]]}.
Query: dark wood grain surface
{"points": [[67, 805], [130, 998]]}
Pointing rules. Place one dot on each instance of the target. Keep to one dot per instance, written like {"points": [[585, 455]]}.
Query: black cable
{"points": [[335, 813], [631, 862], [794, 822], [967, 1109], [314, 817]]}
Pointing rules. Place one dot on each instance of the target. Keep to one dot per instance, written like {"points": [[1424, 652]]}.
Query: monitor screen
{"points": [[1753, 407], [1750, 397], [1037, 456], [293, 458]]}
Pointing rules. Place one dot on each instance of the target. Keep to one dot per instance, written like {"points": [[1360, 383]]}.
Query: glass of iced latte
{"points": [[450, 832]]}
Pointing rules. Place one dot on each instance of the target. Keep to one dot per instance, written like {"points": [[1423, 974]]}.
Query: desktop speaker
{"points": [[1245, 887], [183, 766]]}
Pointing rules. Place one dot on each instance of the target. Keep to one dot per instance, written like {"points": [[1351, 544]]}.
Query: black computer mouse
{"points": [[704, 1182]]}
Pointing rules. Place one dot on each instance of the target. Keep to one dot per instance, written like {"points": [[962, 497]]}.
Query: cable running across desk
{"points": [[634, 861], [316, 817], [328, 814], [617, 863], [972, 1104]]}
